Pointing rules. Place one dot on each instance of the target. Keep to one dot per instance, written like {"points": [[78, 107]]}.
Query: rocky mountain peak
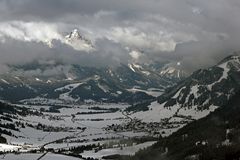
{"points": [[78, 41], [74, 34]]}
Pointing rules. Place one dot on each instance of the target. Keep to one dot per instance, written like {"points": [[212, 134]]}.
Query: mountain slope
{"points": [[191, 99], [205, 87], [213, 137], [75, 83]]}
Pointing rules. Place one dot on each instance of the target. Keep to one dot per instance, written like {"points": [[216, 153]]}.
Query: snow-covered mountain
{"points": [[74, 83], [74, 39], [173, 70], [193, 98], [78, 41], [206, 87], [50, 81]]}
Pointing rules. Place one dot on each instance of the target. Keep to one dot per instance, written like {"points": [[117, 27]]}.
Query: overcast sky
{"points": [[197, 33]]}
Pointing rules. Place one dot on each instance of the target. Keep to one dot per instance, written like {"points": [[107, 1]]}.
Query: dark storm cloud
{"points": [[197, 33]]}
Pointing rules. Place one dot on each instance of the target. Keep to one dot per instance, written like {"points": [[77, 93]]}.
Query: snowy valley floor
{"points": [[68, 128], [94, 130]]}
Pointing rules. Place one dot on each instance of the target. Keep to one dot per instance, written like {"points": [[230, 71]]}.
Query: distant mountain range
{"points": [[34, 83]]}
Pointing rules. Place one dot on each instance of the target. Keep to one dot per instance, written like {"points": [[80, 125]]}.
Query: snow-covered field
{"points": [[8, 148], [72, 126], [94, 124], [124, 151], [28, 156], [68, 119]]}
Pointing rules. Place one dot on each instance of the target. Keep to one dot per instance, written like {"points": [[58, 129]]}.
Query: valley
{"points": [[99, 130], [69, 127], [119, 80]]}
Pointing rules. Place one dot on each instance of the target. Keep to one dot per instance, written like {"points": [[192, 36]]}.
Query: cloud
{"points": [[133, 37], [135, 54], [29, 31], [195, 33], [39, 32]]}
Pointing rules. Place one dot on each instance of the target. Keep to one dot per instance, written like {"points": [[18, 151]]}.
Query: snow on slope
{"points": [[131, 67], [67, 90], [151, 91], [225, 71], [5, 81], [103, 87], [234, 61], [68, 87], [157, 112], [224, 74]]}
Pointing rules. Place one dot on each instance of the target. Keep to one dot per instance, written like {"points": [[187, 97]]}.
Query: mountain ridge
{"points": [[42, 79]]}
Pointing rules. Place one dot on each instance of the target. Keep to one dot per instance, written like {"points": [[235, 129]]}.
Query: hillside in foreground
{"points": [[213, 137]]}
